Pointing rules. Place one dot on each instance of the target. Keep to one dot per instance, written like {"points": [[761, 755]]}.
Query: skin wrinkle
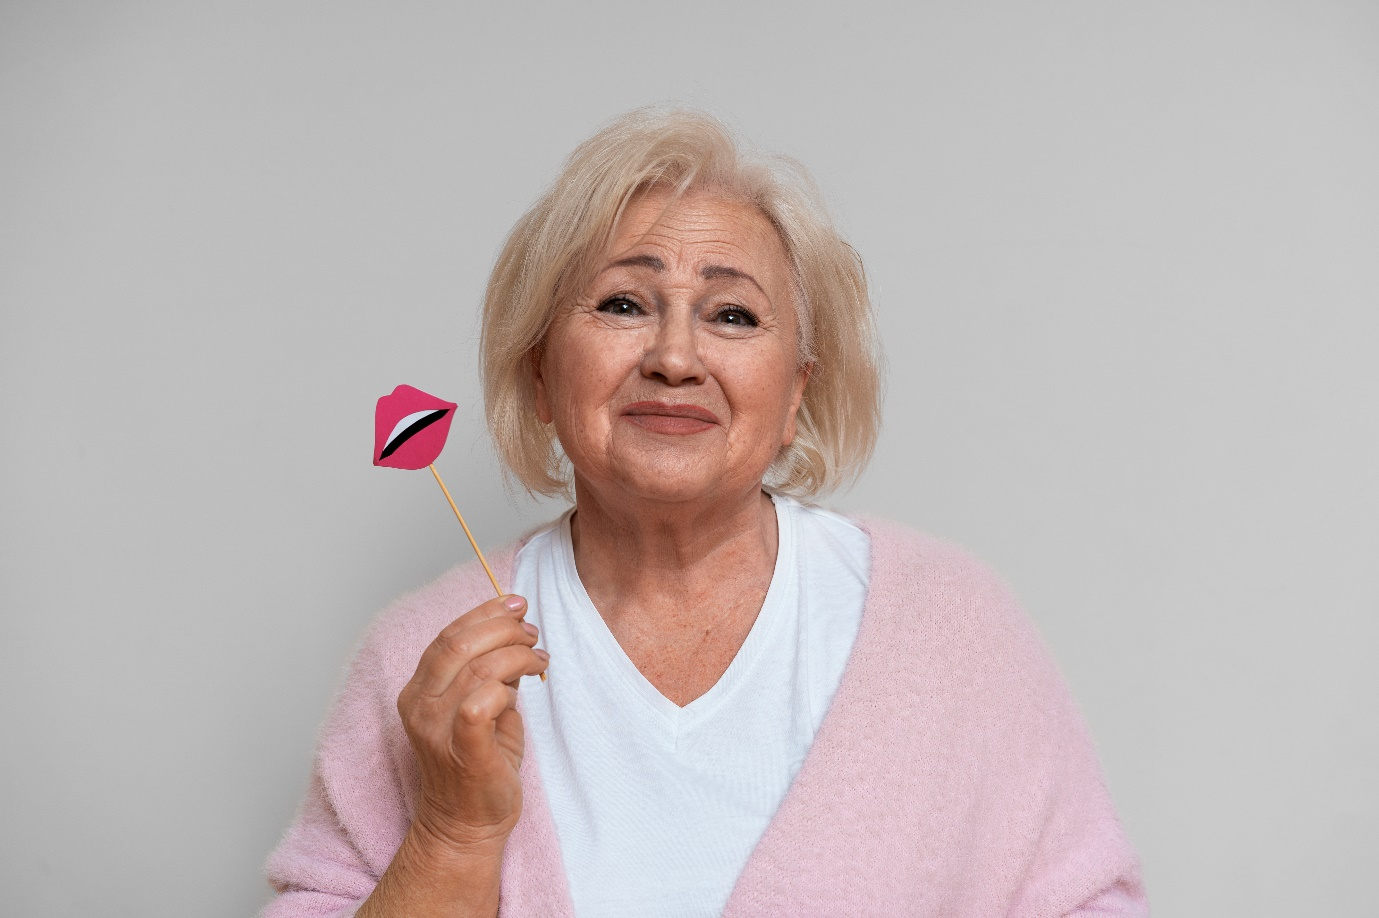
{"points": [[682, 540], [707, 272]]}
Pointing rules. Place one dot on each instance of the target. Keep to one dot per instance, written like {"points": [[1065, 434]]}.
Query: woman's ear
{"points": [[796, 395], [543, 402]]}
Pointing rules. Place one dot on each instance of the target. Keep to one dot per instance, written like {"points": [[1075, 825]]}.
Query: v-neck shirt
{"points": [[656, 806]]}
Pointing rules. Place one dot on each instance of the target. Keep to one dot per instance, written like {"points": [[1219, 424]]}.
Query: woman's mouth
{"points": [[670, 418]]}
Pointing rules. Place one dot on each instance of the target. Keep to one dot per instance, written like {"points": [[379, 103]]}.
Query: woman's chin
{"points": [[662, 482], [664, 486], [637, 466]]}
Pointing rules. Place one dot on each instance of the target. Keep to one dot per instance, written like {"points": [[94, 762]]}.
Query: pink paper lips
{"points": [[410, 428]]}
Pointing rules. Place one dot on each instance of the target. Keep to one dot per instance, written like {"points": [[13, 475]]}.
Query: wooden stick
{"points": [[470, 536]]}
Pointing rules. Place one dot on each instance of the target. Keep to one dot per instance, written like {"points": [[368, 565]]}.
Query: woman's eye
{"points": [[620, 306], [736, 315]]}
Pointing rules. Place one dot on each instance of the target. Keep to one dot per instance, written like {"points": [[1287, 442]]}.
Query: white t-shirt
{"points": [[657, 807]]}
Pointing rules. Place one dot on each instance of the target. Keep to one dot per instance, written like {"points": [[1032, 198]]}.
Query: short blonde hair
{"points": [[551, 254]]}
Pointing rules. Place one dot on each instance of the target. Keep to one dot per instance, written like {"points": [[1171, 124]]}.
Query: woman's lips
{"points": [[669, 418]]}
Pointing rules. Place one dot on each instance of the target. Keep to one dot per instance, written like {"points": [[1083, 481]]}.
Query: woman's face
{"points": [[675, 375]]}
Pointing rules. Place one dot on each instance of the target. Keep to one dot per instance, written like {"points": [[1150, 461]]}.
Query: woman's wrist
{"points": [[431, 876], [447, 846]]}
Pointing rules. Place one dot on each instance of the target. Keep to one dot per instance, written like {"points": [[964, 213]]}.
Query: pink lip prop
{"points": [[409, 428], [409, 431]]}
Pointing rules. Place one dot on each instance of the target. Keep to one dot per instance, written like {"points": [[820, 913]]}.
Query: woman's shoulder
{"points": [[901, 558], [928, 586], [901, 551]]}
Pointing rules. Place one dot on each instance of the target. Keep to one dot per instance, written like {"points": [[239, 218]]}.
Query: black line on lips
{"points": [[412, 430]]}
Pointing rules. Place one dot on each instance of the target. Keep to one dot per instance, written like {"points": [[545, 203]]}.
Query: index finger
{"points": [[512, 605]]}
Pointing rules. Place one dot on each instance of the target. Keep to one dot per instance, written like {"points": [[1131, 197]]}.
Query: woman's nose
{"points": [[673, 354]]}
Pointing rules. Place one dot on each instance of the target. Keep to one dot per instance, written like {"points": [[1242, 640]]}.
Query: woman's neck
{"points": [[679, 585]]}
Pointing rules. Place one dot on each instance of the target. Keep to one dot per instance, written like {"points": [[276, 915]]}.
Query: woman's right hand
{"points": [[459, 711]]}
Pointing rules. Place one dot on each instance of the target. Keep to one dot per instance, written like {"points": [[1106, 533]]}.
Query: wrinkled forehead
{"points": [[703, 231], [697, 227], [662, 203]]}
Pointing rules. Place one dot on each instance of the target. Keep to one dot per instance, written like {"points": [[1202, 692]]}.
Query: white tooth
{"points": [[408, 422]]}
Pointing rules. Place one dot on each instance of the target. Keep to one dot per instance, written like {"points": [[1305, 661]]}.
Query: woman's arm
{"points": [[448, 752]]}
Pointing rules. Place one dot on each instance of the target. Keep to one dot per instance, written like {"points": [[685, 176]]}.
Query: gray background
{"points": [[1125, 258]]}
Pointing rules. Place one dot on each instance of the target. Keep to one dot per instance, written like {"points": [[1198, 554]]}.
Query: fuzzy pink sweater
{"points": [[952, 776]]}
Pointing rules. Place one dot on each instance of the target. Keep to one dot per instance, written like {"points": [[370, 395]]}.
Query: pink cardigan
{"points": [[952, 776]]}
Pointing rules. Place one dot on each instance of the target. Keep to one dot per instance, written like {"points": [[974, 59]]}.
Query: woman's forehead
{"points": [[710, 234]]}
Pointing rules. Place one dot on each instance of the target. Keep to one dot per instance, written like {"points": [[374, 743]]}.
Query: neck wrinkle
{"points": [[648, 560]]}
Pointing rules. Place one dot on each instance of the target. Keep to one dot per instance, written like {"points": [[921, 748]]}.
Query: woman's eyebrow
{"points": [[708, 272], [639, 261], [711, 272]]}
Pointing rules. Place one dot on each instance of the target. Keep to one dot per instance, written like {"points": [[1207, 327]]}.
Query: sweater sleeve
{"points": [[358, 805], [1040, 810], [1081, 863]]}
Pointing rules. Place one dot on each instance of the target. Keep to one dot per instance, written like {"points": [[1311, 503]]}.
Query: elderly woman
{"points": [[754, 706]]}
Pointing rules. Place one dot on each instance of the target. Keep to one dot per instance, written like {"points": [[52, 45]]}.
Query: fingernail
{"points": [[514, 602], [541, 653], [529, 628]]}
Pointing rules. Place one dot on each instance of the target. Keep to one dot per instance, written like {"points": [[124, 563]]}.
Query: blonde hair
{"points": [[550, 255]]}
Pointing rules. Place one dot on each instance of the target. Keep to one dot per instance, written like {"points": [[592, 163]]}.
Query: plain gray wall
{"points": [[1126, 258]]}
